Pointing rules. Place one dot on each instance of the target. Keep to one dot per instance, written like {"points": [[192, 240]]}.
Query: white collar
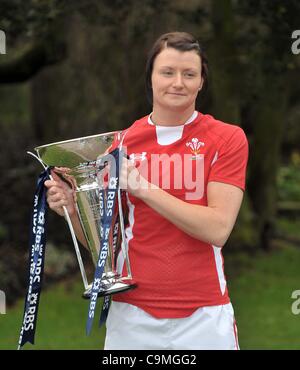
{"points": [[191, 119]]}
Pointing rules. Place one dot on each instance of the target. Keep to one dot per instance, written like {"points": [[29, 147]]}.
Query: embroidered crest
{"points": [[195, 146]]}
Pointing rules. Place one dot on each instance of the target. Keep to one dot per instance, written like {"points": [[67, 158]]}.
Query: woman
{"points": [[185, 180]]}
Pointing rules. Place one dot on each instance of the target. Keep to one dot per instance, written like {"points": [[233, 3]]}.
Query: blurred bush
{"points": [[289, 180], [244, 235], [59, 262]]}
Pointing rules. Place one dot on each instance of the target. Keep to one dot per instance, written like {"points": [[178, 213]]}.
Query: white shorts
{"points": [[130, 328]]}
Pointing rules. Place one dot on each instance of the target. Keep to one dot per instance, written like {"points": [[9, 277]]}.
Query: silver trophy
{"points": [[75, 161]]}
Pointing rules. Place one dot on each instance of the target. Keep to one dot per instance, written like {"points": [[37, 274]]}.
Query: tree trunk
{"points": [[268, 115], [224, 63]]}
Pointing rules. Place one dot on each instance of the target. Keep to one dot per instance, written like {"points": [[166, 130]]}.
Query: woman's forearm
{"points": [[201, 222]]}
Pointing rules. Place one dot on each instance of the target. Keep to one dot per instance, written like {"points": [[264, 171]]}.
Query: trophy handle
{"points": [[78, 254], [67, 217]]}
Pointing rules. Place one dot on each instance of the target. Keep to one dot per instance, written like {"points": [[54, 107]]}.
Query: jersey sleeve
{"points": [[230, 161]]}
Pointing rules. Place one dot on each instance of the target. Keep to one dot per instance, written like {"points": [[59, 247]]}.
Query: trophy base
{"points": [[111, 288]]}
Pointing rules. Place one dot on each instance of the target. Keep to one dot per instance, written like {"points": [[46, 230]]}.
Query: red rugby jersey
{"points": [[176, 273]]}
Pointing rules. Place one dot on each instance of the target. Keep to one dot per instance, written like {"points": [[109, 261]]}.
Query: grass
{"points": [[61, 321], [261, 296], [260, 288]]}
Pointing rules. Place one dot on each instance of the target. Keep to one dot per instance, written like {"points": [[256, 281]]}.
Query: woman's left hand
{"points": [[131, 180]]}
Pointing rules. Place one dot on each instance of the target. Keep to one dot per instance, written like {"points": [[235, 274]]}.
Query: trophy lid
{"points": [[75, 152]]}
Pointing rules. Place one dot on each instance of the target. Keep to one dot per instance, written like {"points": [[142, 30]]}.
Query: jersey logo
{"points": [[138, 156], [195, 146]]}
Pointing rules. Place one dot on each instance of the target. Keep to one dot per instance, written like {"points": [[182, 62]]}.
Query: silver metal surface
{"points": [[75, 161]]}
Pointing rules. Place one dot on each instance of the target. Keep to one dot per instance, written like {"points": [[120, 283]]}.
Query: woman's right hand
{"points": [[60, 194]]}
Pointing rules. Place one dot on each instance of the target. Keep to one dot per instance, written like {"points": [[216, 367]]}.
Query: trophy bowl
{"points": [[76, 162]]}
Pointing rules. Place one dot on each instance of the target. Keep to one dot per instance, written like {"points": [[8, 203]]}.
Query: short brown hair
{"points": [[181, 41]]}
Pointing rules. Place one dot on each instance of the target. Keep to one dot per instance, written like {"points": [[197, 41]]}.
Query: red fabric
{"points": [[176, 273]]}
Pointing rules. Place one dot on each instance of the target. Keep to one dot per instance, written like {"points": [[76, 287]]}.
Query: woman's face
{"points": [[176, 79]]}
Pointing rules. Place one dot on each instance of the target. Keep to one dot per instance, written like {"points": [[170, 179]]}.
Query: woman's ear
{"points": [[201, 85]]}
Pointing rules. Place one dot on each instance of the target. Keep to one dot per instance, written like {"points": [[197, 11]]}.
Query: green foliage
{"points": [[288, 228], [244, 234], [26, 19], [288, 180], [10, 112], [59, 262]]}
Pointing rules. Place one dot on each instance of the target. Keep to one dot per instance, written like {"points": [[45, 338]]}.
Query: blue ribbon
{"points": [[108, 196], [37, 244], [107, 299]]}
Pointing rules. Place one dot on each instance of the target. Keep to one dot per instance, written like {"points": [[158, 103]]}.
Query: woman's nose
{"points": [[178, 82]]}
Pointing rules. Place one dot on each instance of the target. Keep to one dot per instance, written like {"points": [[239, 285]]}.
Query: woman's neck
{"points": [[171, 118]]}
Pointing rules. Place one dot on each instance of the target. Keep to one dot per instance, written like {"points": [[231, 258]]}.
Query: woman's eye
{"points": [[167, 73], [190, 74]]}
